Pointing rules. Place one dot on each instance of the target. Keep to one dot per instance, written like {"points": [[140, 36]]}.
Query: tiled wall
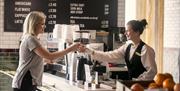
{"points": [[121, 13], [172, 22], [172, 38], [7, 39]]}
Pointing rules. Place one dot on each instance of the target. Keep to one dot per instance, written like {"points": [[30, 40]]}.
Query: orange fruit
{"points": [[137, 87], [153, 86], [159, 78], [177, 87], [168, 75], [169, 84]]}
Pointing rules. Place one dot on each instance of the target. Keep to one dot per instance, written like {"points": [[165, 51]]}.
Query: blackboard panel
{"points": [[89, 14]]}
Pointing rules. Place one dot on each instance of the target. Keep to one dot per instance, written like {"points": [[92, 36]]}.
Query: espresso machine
{"points": [[75, 61]]}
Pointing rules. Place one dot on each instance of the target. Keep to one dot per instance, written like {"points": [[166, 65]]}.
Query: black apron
{"points": [[134, 65]]}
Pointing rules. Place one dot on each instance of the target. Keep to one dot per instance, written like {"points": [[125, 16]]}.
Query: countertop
{"points": [[61, 84]]}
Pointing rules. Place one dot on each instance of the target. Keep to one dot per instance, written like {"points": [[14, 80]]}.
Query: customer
{"points": [[139, 57], [30, 70]]}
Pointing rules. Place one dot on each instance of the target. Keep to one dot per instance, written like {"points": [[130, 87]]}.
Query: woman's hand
{"points": [[74, 47]]}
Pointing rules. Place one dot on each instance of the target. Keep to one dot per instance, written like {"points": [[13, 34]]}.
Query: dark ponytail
{"points": [[138, 26]]}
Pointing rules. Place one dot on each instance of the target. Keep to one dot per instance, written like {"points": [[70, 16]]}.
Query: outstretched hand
{"points": [[74, 47], [77, 47], [82, 48]]}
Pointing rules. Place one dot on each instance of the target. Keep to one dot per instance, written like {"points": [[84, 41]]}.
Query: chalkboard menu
{"points": [[89, 14]]}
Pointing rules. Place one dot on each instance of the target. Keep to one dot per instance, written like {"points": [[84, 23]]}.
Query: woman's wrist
{"points": [[69, 49]]}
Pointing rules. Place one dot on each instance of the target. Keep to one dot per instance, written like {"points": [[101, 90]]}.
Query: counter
{"points": [[61, 84]]}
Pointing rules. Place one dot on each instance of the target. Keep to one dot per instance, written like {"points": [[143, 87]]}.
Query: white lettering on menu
{"points": [[21, 9], [52, 12]]}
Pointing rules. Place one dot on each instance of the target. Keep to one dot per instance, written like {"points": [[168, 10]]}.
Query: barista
{"points": [[139, 57]]}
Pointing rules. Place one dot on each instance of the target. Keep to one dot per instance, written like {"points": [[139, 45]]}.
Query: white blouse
{"points": [[147, 58]]}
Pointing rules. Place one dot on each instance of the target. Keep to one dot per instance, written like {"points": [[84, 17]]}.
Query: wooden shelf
{"points": [[102, 33]]}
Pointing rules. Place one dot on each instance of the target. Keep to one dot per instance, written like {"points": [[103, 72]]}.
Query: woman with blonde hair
{"points": [[31, 53]]}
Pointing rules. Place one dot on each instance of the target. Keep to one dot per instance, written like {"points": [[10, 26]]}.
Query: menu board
{"points": [[88, 14]]}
